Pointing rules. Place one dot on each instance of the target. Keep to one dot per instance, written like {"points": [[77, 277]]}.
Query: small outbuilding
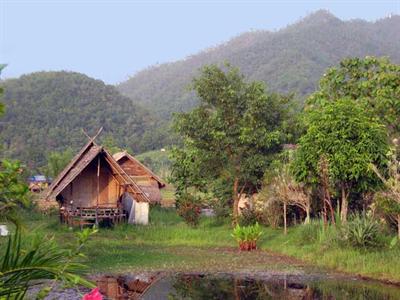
{"points": [[38, 183], [149, 182], [94, 188]]}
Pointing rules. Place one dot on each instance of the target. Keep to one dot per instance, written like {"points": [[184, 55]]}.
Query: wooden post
{"points": [[98, 189], [284, 218]]}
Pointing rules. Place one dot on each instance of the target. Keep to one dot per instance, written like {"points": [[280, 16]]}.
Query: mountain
{"points": [[46, 111], [289, 60]]}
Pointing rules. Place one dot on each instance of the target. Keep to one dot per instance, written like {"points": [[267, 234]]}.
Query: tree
{"points": [[13, 189], [372, 82], [350, 139], [110, 144], [233, 134], [56, 162], [389, 198]]}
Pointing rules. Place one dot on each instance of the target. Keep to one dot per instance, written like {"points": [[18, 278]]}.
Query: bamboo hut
{"points": [[149, 182], [94, 188]]}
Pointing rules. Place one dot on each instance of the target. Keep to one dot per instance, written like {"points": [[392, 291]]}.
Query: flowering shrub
{"points": [[189, 208]]}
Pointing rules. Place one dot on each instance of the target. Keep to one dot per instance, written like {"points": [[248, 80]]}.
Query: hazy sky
{"points": [[111, 40]]}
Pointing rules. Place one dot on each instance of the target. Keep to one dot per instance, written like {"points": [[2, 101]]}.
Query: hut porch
{"points": [[82, 216]]}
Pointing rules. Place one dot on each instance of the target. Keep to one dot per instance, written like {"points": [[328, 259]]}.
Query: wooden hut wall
{"points": [[83, 189]]}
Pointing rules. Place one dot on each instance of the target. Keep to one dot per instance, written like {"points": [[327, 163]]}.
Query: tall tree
{"points": [[372, 82], [234, 132], [349, 139]]}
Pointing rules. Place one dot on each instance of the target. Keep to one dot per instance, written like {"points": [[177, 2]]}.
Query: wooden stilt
{"points": [[98, 189]]}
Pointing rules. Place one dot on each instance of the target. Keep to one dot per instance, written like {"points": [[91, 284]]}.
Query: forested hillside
{"points": [[46, 111], [288, 60]]}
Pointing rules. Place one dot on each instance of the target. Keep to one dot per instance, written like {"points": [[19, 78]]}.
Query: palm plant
{"points": [[40, 263]]}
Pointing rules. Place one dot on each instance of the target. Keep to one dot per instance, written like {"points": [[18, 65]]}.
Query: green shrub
{"points": [[247, 217], [189, 209], [247, 236], [361, 231], [310, 233], [317, 232]]}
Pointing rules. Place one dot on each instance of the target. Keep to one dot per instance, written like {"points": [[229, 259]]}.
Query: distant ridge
{"points": [[289, 60]]}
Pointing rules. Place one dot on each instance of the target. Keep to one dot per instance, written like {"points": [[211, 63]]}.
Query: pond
{"points": [[244, 286]]}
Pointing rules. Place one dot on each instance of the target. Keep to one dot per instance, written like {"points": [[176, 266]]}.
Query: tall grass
{"points": [[350, 248]]}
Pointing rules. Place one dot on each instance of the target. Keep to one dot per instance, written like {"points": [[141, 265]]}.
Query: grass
{"points": [[168, 244], [324, 251]]}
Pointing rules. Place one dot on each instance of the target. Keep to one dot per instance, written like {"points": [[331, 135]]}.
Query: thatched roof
{"points": [[124, 154], [84, 157]]}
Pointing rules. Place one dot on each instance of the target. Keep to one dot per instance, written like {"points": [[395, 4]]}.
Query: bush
{"points": [[317, 232], [247, 236], [189, 209], [268, 209], [221, 208], [247, 217], [361, 232]]}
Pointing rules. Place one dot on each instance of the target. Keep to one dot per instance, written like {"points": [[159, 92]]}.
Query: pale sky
{"points": [[111, 40]]}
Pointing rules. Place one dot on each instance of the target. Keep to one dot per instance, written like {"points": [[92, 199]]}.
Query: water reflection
{"points": [[229, 286], [125, 287]]}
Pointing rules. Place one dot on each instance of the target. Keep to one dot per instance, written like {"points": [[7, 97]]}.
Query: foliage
{"points": [[388, 200], [247, 236], [247, 217], [350, 140], [24, 267], [2, 108], [269, 209], [289, 192], [372, 82], [157, 160], [13, 189], [46, 112], [270, 213], [361, 231], [288, 60], [221, 208], [110, 144], [57, 161], [189, 208], [231, 136]]}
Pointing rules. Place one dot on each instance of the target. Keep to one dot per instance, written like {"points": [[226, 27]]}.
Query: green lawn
{"points": [[169, 244]]}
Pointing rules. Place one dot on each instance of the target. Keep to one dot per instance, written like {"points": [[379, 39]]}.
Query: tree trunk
{"points": [[331, 210], [344, 209], [235, 200], [284, 219], [324, 212], [308, 208], [398, 226]]}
